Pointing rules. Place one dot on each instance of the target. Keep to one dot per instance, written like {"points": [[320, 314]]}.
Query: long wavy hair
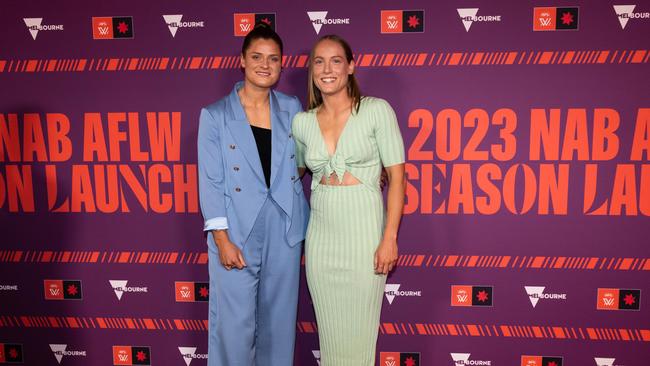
{"points": [[315, 98]]}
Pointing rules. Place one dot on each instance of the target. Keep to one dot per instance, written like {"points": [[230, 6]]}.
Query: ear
{"points": [[242, 61], [351, 68]]}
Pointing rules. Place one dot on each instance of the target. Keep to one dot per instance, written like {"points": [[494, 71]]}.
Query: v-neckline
{"points": [[322, 137]]}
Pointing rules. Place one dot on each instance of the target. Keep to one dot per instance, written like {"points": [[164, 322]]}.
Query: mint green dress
{"points": [[346, 226]]}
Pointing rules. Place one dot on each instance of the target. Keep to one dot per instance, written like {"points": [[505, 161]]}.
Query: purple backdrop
{"points": [[451, 70]]}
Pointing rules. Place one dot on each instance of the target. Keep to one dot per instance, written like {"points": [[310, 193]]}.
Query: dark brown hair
{"points": [[314, 96], [261, 31]]}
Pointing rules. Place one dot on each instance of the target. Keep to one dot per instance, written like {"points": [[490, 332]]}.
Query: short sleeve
{"points": [[387, 134], [299, 139]]}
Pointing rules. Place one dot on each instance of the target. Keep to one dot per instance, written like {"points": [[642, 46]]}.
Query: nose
{"points": [[327, 67]]}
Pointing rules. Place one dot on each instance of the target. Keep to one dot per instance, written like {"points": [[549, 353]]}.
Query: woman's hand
{"points": [[229, 254], [386, 256]]}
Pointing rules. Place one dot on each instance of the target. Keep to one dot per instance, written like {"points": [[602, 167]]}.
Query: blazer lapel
{"points": [[242, 133], [280, 134]]}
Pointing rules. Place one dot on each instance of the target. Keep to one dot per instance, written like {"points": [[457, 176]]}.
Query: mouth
{"points": [[263, 73], [328, 80]]}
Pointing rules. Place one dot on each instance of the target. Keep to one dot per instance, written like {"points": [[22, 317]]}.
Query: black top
{"points": [[263, 142]]}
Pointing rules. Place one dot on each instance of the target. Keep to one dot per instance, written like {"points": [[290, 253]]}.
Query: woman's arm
{"points": [[386, 254]]}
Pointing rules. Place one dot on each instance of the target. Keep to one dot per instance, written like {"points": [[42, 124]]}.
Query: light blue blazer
{"points": [[232, 188]]}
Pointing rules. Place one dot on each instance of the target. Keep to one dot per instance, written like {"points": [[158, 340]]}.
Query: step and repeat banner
{"points": [[527, 130]]}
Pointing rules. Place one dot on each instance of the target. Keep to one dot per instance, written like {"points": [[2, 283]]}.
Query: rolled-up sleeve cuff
{"points": [[217, 223]]}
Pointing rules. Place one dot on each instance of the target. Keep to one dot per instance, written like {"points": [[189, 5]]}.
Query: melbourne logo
{"points": [[192, 291], [319, 18], [61, 350], [535, 293], [462, 359], [392, 290], [402, 21], [112, 27], [62, 289], [618, 299], [316, 354], [399, 359], [11, 353], [245, 22], [626, 12], [552, 18], [189, 354], [462, 295], [175, 21], [8, 287], [34, 25], [541, 361], [468, 17], [131, 355], [119, 286], [602, 361]]}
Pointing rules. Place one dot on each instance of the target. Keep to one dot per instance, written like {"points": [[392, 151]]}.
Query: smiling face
{"points": [[330, 68], [262, 63]]}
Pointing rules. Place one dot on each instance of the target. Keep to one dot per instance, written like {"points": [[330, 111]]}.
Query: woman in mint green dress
{"points": [[345, 140]]}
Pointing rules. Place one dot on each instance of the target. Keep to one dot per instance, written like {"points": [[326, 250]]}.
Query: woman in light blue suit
{"points": [[255, 212]]}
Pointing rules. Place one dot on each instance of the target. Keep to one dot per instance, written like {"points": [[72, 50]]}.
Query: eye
{"points": [[318, 62], [255, 57], [275, 59]]}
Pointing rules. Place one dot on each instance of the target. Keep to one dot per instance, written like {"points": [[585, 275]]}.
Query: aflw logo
{"points": [[626, 12], [119, 286], [316, 354]]}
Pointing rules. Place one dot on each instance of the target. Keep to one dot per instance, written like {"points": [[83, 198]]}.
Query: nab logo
{"points": [[402, 21], [112, 27], [245, 22], [189, 354], [62, 290], [541, 361], [316, 354], [399, 359], [192, 291], [471, 295], [131, 355], [34, 25], [618, 299], [462, 359], [552, 18], [626, 12], [11, 353]]}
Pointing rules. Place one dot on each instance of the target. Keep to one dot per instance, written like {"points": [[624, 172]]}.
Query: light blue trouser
{"points": [[252, 318]]}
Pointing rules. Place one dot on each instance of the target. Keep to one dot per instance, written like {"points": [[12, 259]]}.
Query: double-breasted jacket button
{"points": [[292, 156], [237, 189], [236, 168], [290, 135], [232, 147], [293, 177]]}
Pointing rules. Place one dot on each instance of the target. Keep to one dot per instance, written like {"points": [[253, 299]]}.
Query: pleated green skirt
{"points": [[345, 228]]}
